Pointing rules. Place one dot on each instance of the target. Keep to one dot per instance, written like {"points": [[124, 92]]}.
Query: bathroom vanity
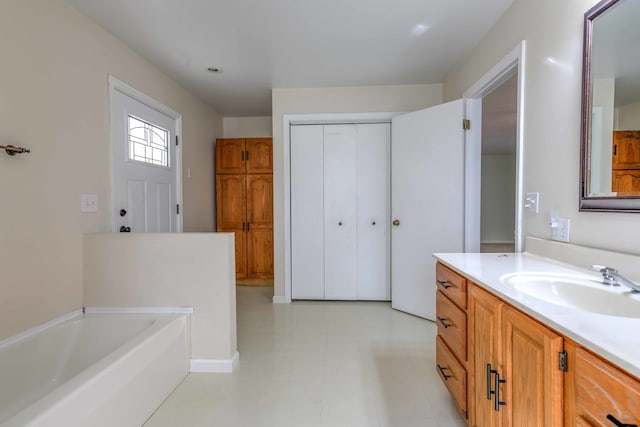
{"points": [[526, 340]]}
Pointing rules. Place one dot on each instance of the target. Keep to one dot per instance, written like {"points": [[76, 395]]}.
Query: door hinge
{"points": [[177, 140], [466, 124], [178, 209], [562, 361]]}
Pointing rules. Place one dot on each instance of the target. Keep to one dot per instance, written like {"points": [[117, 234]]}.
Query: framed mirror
{"points": [[610, 146]]}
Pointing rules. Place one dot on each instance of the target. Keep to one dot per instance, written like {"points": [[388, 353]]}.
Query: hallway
{"points": [[319, 364]]}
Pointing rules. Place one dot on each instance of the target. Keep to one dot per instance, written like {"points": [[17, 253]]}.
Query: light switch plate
{"points": [[532, 202], [89, 203]]}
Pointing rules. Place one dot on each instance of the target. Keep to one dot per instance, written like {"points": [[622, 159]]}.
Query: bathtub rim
{"points": [[78, 383]]}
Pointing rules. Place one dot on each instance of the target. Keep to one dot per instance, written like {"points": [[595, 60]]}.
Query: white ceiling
{"points": [[264, 44]]}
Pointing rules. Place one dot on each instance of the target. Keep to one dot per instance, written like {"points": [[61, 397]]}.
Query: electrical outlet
{"points": [[560, 228], [89, 203]]}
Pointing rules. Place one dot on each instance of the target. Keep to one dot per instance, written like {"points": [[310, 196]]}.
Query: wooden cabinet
{"points": [[451, 343], [598, 394], [514, 364], [244, 202], [238, 156], [626, 162], [513, 371]]}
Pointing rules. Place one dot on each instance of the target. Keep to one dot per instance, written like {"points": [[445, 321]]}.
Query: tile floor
{"points": [[319, 364]]}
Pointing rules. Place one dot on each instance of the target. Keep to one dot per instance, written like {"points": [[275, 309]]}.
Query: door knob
{"points": [[124, 229], [340, 223], [123, 212], [396, 222]]}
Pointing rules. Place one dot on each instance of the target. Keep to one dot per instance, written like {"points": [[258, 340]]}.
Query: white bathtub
{"points": [[94, 370]]}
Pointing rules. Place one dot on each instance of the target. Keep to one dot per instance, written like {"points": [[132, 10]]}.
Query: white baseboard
{"points": [[277, 299], [214, 366]]}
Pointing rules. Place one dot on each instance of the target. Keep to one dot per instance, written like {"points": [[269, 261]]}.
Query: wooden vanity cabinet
{"points": [[597, 393], [515, 377], [451, 342]]}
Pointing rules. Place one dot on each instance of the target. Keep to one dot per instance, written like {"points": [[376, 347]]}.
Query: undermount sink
{"points": [[578, 292]]}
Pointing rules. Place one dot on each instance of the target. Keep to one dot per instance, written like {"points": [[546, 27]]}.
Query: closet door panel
{"points": [[307, 212], [340, 212], [373, 207]]}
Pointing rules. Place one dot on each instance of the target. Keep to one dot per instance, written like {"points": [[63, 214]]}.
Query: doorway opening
{"points": [[498, 168], [494, 157]]}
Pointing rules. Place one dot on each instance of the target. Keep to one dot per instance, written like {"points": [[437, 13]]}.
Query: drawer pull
{"points": [[443, 284], [443, 321], [497, 381], [617, 423], [444, 374], [489, 373]]}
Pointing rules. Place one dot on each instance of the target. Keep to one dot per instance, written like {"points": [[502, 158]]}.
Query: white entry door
{"points": [[427, 187], [145, 194]]}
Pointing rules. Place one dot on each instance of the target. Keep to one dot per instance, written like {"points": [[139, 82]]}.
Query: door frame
{"points": [[512, 63], [310, 119], [116, 85]]}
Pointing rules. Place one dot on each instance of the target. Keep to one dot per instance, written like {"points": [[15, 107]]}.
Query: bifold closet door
{"points": [[374, 211], [307, 212], [340, 219]]}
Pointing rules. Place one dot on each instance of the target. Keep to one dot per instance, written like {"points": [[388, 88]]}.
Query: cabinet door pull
{"points": [[489, 373], [248, 226], [444, 374], [243, 227], [443, 284], [497, 381], [242, 155], [443, 321], [617, 423], [247, 155]]}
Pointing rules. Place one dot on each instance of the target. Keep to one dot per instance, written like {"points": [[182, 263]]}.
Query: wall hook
{"points": [[12, 151]]}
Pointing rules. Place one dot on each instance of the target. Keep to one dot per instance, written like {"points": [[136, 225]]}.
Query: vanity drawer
{"points": [[452, 374], [603, 393], [452, 285], [452, 325]]}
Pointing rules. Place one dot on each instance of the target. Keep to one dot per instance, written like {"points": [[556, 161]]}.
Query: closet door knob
{"points": [[396, 222], [340, 223], [373, 223]]}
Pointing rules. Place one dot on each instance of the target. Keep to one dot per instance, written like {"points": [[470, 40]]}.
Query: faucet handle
{"points": [[604, 269]]}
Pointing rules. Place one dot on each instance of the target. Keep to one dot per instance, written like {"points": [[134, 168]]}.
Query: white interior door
{"points": [[144, 168], [340, 228], [374, 210], [427, 166], [307, 212]]}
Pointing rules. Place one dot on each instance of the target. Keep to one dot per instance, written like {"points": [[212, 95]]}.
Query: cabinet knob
{"points": [[396, 222]]}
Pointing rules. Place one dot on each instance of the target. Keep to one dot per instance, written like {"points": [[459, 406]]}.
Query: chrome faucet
{"points": [[611, 277]]}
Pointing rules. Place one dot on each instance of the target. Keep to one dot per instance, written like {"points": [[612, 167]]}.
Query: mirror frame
{"points": [[595, 203]]}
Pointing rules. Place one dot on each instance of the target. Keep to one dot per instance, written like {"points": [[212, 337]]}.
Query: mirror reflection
{"points": [[614, 139]]}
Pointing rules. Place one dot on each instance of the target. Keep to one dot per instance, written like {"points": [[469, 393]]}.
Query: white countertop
{"points": [[614, 338]]}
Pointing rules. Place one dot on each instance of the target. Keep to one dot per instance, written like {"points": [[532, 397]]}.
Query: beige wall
{"points": [[363, 99], [246, 127], [54, 100], [169, 270], [553, 32]]}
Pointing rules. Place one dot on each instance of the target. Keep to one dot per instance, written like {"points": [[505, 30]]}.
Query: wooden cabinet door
{"points": [[260, 226], [626, 149], [259, 155], [231, 203], [533, 390], [230, 156], [484, 345], [241, 254], [598, 392], [626, 182]]}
